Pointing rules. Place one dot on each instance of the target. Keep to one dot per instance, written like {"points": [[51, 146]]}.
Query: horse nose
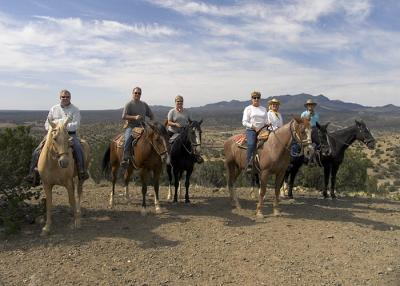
{"points": [[197, 149], [63, 162], [165, 158]]}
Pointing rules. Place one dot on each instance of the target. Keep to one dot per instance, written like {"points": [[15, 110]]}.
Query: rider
{"points": [[274, 117], [254, 119], [134, 113], [310, 112], [60, 112], [178, 117]]}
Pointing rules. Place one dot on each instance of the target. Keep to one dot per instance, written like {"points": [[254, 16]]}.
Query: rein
{"points": [[294, 137], [159, 153]]}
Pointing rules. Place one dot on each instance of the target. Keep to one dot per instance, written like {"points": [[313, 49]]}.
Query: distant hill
{"points": [[229, 113]]}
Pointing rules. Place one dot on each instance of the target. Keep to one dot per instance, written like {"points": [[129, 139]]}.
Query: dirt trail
{"points": [[350, 241]]}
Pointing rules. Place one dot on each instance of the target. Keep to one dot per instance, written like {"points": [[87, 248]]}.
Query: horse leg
{"points": [[114, 171], [156, 190], [278, 183], [127, 177], [187, 184], [255, 181], [284, 190], [170, 182], [177, 178], [72, 202], [232, 173], [79, 188], [327, 171], [333, 180], [263, 188], [49, 204], [293, 174], [143, 178]]}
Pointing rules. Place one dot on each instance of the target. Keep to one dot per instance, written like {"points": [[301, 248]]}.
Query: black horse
{"points": [[331, 148], [184, 153]]}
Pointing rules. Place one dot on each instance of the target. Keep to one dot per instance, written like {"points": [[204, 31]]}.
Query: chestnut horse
{"points": [[150, 152], [56, 166], [273, 156]]}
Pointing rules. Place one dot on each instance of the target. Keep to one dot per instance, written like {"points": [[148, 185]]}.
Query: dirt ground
{"points": [[350, 241]]}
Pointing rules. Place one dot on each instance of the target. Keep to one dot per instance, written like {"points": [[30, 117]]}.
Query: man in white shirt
{"points": [[60, 112], [254, 118]]}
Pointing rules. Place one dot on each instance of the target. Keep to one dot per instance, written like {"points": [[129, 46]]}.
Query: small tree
{"points": [[16, 147]]}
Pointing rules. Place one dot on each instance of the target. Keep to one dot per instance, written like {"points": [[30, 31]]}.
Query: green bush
{"points": [[16, 147]]}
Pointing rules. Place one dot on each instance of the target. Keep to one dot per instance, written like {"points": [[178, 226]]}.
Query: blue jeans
{"points": [[251, 143], [128, 143], [78, 152]]}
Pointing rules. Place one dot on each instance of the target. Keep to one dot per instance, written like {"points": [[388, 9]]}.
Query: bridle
{"points": [[156, 148], [54, 148], [192, 144]]}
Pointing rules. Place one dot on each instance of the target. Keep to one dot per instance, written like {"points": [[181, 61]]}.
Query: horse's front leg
{"points": [[79, 187], [156, 190], [177, 178], [127, 178], [187, 184], [143, 178], [278, 183], [72, 202], [263, 188], [169, 172], [114, 171], [333, 180], [327, 171], [49, 204]]}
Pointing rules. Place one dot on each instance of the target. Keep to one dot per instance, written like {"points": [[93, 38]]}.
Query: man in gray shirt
{"points": [[134, 112]]}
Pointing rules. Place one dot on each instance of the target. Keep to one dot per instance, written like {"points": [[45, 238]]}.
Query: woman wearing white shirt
{"points": [[274, 117], [254, 118]]}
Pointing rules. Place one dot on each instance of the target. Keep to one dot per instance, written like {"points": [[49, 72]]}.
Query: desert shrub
{"points": [[209, 174], [16, 147], [96, 157]]}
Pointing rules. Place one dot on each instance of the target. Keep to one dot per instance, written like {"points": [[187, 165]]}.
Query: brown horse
{"points": [[56, 167], [273, 156], [150, 152]]}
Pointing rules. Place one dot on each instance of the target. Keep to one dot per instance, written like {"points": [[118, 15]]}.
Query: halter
{"points": [[190, 152], [159, 153], [55, 150]]}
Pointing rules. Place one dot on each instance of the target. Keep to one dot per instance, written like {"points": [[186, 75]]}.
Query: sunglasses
{"points": [[179, 101], [255, 97], [138, 93], [65, 97]]}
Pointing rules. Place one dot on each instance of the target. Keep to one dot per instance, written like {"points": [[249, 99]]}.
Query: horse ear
{"points": [[52, 124], [201, 121], [67, 120], [318, 125], [190, 121]]}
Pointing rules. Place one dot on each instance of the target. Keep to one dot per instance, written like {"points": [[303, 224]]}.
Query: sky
{"points": [[206, 51]]}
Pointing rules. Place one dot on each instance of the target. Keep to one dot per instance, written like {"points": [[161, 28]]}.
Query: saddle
{"points": [[241, 140], [120, 138]]}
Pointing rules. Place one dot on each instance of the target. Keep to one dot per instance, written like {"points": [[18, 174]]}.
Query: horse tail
{"points": [[105, 163]]}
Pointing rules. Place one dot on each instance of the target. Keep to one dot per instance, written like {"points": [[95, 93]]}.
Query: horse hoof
{"points": [[143, 212], [187, 201], [333, 197], [158, 210], [45, 232], [259, 215], [277, 213]]}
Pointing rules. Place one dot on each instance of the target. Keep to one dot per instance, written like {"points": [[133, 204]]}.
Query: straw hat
{"points": [[274, 100], [310, 102]]}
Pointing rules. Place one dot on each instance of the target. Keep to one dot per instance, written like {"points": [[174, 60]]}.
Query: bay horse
{"points": [[56, 166], [338, 142], [150, 152], [183, 155], [273, 159], [319, 138]]}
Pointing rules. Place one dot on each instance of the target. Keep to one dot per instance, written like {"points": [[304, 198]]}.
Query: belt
{"points": [[71, 132]]}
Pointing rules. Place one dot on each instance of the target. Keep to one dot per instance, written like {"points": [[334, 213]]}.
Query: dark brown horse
{"points": [[151, 151], [273, 159]]}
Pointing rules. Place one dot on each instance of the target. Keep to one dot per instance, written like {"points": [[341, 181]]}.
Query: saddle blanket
{"points": [[241, 139], [120, 138]]}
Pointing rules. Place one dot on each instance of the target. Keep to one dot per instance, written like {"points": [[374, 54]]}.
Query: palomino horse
{"points": [[273, 159], [150, 152], [183, 155], [56, 167]]}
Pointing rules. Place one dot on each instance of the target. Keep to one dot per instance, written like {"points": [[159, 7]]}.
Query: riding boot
{"points": [[126, 159], [199, 159], [33, 178], [82, 173], [249, 168]]}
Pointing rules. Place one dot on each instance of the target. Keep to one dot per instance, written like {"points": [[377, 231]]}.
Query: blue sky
{"points": [[207, 51]]}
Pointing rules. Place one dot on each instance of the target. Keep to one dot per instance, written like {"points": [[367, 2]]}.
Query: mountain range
{"points": [[229, 113]]}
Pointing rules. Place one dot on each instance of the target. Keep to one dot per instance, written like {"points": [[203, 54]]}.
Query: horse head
{"points": [[194, 135], [364, 135], [59, 141], [159, 140], [320, 137], [301, 133]]}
